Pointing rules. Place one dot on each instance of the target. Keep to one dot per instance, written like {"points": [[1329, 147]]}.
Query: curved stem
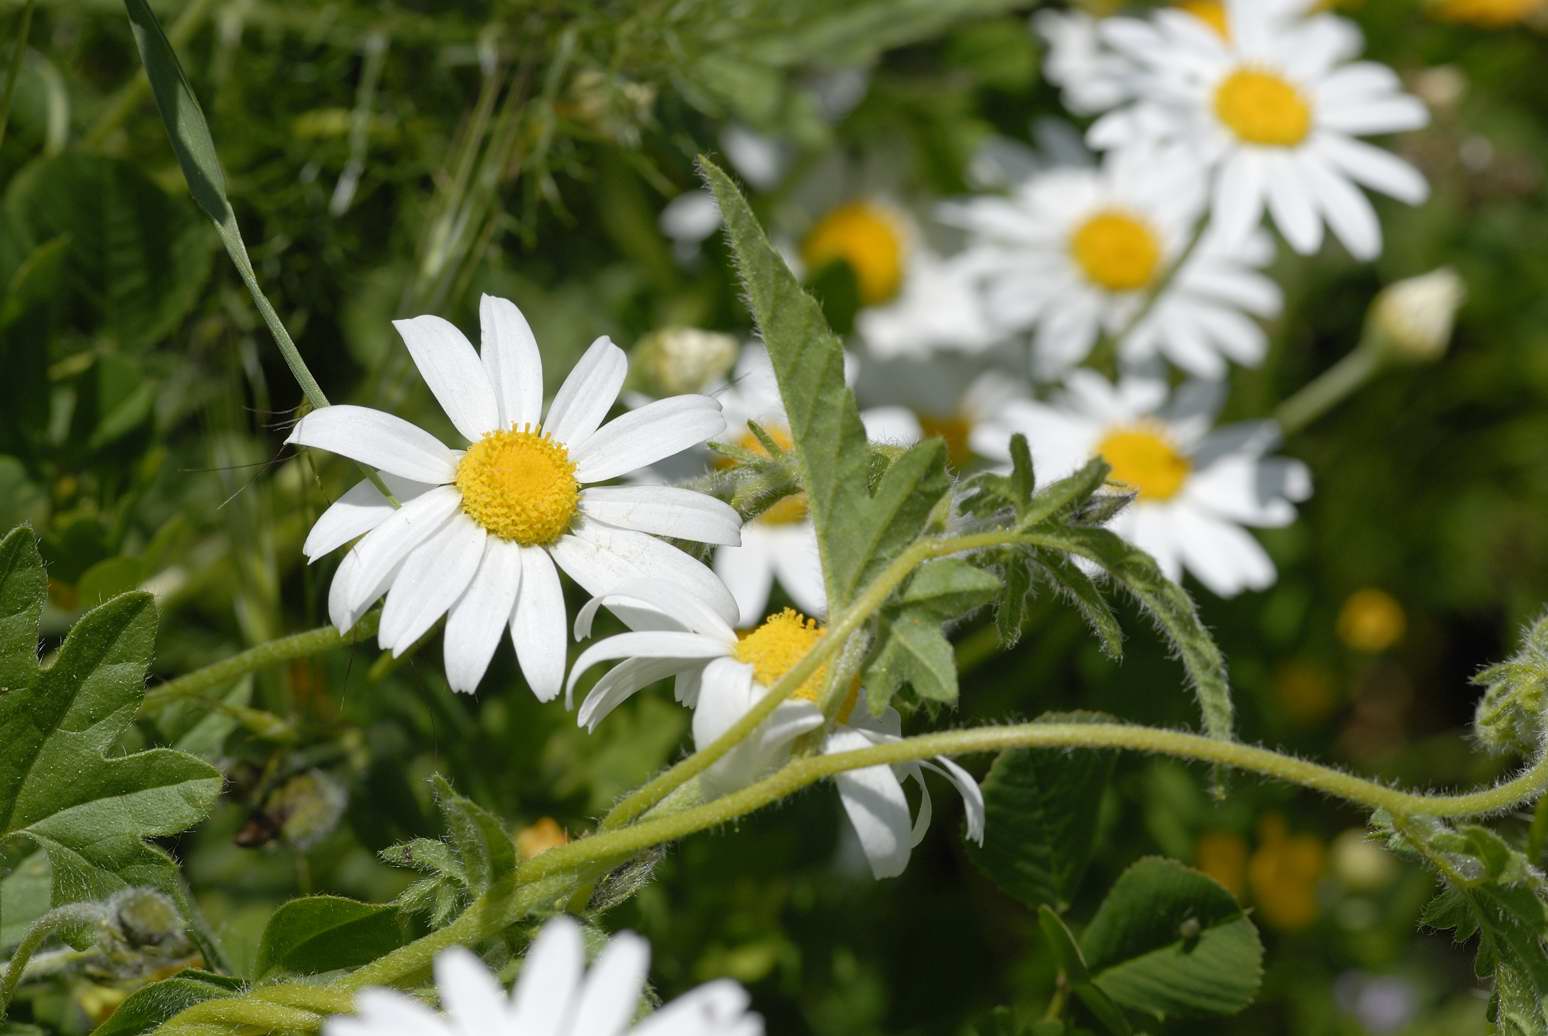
{"points": [[37, 935], [273, 652], [1328, 389]]}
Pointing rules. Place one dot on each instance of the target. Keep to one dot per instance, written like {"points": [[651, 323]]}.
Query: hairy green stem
{"points": [[74, 914], [284, 649]]}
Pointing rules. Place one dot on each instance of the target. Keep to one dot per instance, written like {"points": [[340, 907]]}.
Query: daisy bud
{"points": [[146, 917], [678, 360], [1411, 321], [1512, 715]]}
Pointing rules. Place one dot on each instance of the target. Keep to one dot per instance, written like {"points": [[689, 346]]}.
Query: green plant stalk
{"points": [[132, 93], [1328, 389], [545, 877], [37, 934], [273, 652], [9, 93]]}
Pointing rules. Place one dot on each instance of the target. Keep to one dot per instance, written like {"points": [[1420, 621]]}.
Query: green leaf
{"points": [[59, 791], [1041, 818], [896, 513], [483, 844], [136, 258], [1513, 713], [831, 449], [326, 933], [949, 588], [1073, 964], [1170, 942], [914, 651], [1010, 612], [1168, 603], [1077, 588], [148, 1008], [1494, 893], [854, 33]]}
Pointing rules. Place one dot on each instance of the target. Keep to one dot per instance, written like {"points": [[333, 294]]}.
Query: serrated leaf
{"points": [[914, 651], [948, 588], [325, 933], [59, 792], [1041, 818], [895, 515], [148, 1008], [1066, 494], [830, 444], [1010, 611], [1168, 603], [136, 258], [1170, 942]]}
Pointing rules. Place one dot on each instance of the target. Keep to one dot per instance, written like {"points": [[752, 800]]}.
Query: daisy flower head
{"points": [[1195, 486], [1272, 110], [727, 673], [1077, 253], [477, 533], [555, 995]]}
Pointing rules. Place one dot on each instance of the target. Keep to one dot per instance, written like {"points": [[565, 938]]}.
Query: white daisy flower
{"points": [[722, 675], [937, 308], [1273, 109], [555, 995], [1090, 75], [1194, 487], [1078, 253], [480, 530]]}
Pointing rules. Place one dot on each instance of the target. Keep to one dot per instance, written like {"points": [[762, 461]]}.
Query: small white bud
{"points": [[1411, 321], [676, 360]]}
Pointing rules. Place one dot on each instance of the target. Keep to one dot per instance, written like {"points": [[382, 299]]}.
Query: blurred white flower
{"points": [[1413, 318], [1195, 486], [480, 530], [1090, 75], [721, 676], [1077, 253], [555, 995], [1271, 110], [937, 308]]}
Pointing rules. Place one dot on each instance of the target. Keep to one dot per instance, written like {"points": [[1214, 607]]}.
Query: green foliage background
{"points": [[525, 149]]}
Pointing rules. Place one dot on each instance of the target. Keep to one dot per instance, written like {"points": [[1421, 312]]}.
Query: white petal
{"points": [[727, 693], [664, 511], [1291, 206], [650, 644], [377, 440], [385, 1012], [1238, 204], [482, 614], [450, 366], [434, 575], [549, 981], [873, 800], [538, 624], [676, 608], [361, 509], [1223, 557], [621, 683], [799, 568], [706, 1011], [470, 996], [1375, 115], [1377, 169], [1347, 211], [748, 572], [599, 557], [384, 547], [612, 991], [972, 795], [641, 437], [509, 352], [587, 394]]}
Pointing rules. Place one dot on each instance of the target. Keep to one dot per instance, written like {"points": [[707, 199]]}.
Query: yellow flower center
{"points": [[1116, 251], [1210, 12], [1263, 108], [869, 239], [791, 509], [774, 648], [520, 485], [955, 430], [1487, 13], [1144, 459]]}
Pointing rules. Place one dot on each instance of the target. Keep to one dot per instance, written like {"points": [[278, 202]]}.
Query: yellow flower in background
{"points": [[539, 837], [1490, 14], [1283, 874], [1223, 856], [1305, 692], [870, 238], [1371, 621]]}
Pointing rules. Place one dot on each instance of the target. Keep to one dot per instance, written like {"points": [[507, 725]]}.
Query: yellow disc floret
{"points": [[1143, 458], [775, 647], [1116, 250], [520, 485], [867, 237], [1263, 108], [955, 430], [1210, 12]]}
